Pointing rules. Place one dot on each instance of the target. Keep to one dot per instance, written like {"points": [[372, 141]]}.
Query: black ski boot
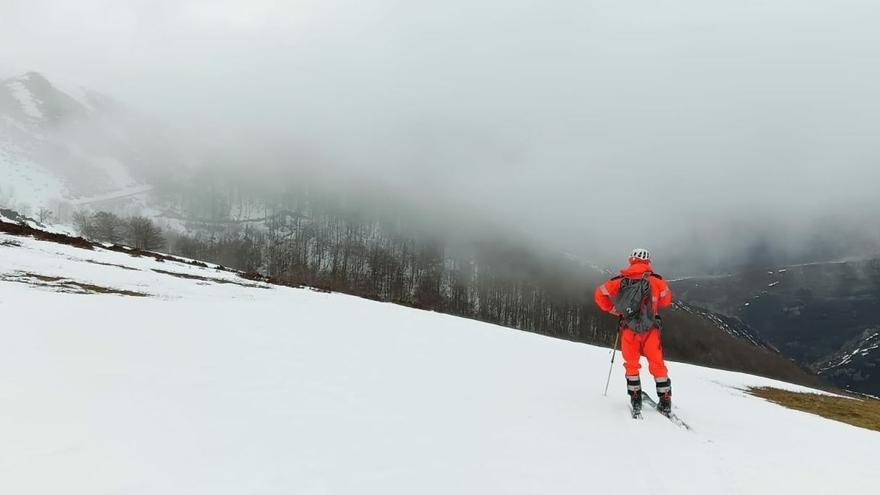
{"points": [[634, 389], [664, 393]]}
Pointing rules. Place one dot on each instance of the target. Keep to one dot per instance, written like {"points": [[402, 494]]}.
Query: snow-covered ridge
{"points": [[863, 348], [856, 360], [65, 147], [730, 326], [243, 387], [25, 99]]}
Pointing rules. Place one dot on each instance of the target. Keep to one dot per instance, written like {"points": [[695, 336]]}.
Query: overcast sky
{"points": [[677, 125]]}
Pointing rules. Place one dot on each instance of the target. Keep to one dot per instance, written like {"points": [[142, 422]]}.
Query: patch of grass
{"points": [[66, 285], [97, 289], [112, 264], [861, 412], [44, 278], [187, 276]]}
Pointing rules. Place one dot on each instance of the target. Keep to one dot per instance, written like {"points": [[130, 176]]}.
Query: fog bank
{"points": [[701, 129]]}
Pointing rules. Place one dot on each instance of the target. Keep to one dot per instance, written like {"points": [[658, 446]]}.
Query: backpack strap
{"points": [[651, 299]]}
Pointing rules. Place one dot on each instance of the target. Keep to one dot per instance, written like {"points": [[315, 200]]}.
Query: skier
{"points": [[635, 296]]}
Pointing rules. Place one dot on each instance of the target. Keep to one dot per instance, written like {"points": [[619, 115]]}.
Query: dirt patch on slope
{"points": [[67, 285], [188, 276], [28, 231]]}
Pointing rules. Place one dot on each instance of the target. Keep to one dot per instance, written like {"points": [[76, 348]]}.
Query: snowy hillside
{"points": [[71, 146], [123, 374]]}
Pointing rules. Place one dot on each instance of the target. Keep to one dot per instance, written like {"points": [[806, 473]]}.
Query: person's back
{"points": [[640, 323]]}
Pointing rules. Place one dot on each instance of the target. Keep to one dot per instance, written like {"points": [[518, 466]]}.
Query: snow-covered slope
{"points": [[72, 146], [215, 384]]}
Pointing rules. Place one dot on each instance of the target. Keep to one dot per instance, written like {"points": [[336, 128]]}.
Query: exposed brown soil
{"points": [[150, 254], [28, 231]]}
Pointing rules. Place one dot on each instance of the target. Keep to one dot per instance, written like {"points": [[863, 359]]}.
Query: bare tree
{"points": [[143, 233], [107, 227], [44, 214], [83, 223]]}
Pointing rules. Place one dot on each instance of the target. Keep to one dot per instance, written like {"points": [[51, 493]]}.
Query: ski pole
{"points": [[613, 353]]}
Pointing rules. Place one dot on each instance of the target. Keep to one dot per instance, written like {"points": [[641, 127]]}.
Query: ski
{"points": [[635, 414], [671, 415]]}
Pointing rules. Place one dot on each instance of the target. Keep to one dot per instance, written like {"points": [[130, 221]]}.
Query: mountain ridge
{"points": [[815, 312], [57, 147]]}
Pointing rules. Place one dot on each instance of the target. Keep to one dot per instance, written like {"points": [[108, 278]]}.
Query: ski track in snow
{"points": [[222, 389], [125, 192]]}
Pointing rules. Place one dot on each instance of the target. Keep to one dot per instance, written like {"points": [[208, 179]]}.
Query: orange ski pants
{"points": [[633, 345]]}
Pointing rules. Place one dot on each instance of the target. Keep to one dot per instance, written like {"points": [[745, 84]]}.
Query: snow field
{"points": [[214, 388]]}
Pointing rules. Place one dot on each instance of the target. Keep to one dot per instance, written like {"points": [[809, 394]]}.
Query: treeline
{"points": [[497, 283], [136, 231], [376, 247], [382, 256]]}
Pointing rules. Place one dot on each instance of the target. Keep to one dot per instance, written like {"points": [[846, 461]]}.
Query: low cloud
{"points": [[700, 129]]}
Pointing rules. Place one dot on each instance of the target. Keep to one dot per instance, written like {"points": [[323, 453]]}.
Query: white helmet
{"points": [[641, 254]]}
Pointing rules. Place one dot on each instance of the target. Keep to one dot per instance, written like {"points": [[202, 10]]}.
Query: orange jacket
{"points": [[661, 296]]}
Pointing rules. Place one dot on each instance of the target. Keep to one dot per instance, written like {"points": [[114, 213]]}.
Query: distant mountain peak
{"points": [[36, 77], [63, 142], [31, 98]]}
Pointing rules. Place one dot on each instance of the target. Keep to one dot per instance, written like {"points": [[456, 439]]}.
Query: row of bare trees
{"points": [[376, 258], [139, 232]]}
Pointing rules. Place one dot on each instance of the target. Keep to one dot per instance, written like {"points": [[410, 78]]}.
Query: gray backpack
{"points": [[633, 302]]}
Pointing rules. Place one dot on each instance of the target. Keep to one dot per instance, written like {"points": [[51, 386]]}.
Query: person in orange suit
{"points": [[636, 295]]}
